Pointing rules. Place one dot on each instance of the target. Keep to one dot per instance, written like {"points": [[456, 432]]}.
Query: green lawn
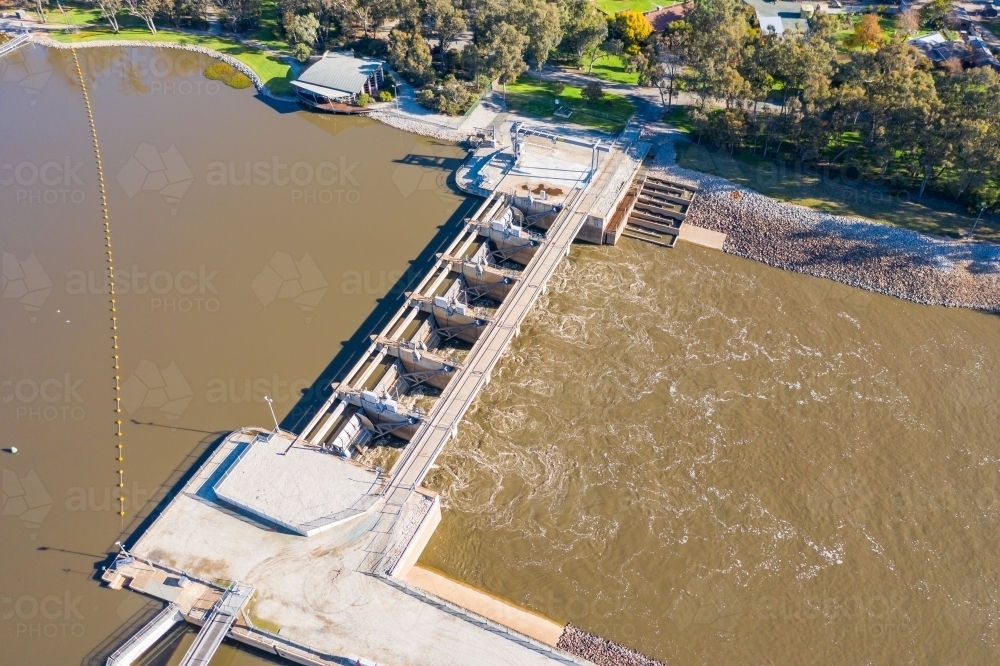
{"points": [[612, 68], [868, 200], [267, 33], [678, 117], [611, 7], [275, 73], [529, 95], [888, 25], [74, 15]]}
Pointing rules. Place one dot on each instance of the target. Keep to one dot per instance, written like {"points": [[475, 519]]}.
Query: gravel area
{"points": [[416, 510], [408, 123], [877, 257], [599, 651], [620, 180]]}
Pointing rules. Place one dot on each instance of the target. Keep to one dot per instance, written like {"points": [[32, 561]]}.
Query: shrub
{"points": [[219, 71], [410, 56], [384, 96], [302, 51], [427, 99], [369, 46], [451, 97], [593, 92], [232, 77], [364, 99], [239, 81], [558, 87]]}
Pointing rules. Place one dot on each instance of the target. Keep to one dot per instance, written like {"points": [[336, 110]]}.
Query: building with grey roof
{"points": [[939, 48], [781, 24], [334, 82]]}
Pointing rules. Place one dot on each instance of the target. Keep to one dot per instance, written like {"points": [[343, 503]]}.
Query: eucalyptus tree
{"points": [[447, 20], [544, 32], [109, 11], [584, 28], [899, 93], [145, 10]]}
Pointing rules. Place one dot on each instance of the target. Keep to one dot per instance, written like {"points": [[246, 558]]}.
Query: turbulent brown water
{"points": [[226, 291], [717, 462]]}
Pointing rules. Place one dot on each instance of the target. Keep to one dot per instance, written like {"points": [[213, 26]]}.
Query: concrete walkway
{"points": [[477, 601], [314, 590]]}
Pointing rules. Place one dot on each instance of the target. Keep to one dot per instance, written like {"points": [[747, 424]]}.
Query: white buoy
{"points": [[13, 449]]}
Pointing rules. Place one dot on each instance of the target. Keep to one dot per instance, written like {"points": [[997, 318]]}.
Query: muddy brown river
{"points": [[249, 241], [704, 458], [717, 462]]}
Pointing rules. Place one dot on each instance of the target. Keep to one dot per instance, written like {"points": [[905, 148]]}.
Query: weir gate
{"points": [[265, 503]]}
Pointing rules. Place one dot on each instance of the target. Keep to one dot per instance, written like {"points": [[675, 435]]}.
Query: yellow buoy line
{"points": [[111, 283]]}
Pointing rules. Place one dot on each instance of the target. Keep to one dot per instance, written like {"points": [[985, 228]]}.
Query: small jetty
{"points": [[12, 45]]}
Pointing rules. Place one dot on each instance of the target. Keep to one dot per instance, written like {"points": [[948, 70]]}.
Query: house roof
{"points": [[664, 16], [938, 48], [330, 93], [339, 71], [768, 23], [780, 24], [933, 38], [943, 52]]}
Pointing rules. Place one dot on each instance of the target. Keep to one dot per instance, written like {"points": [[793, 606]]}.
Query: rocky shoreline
{"points": [[861, 253], [599, 651], [408, 123]]}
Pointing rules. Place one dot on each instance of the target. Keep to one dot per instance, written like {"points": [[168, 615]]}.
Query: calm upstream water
{"points": [[230, 285], [717, 462]]}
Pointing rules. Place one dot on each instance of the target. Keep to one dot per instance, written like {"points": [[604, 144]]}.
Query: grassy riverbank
{"points": [[529, 95], [786, 182], [275, 72]]}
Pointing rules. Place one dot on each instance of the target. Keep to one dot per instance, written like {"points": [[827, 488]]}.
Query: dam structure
{"points": [[300, 543]]}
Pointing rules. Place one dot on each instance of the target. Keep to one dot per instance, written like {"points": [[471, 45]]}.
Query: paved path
{"points": [[217, 625]]}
